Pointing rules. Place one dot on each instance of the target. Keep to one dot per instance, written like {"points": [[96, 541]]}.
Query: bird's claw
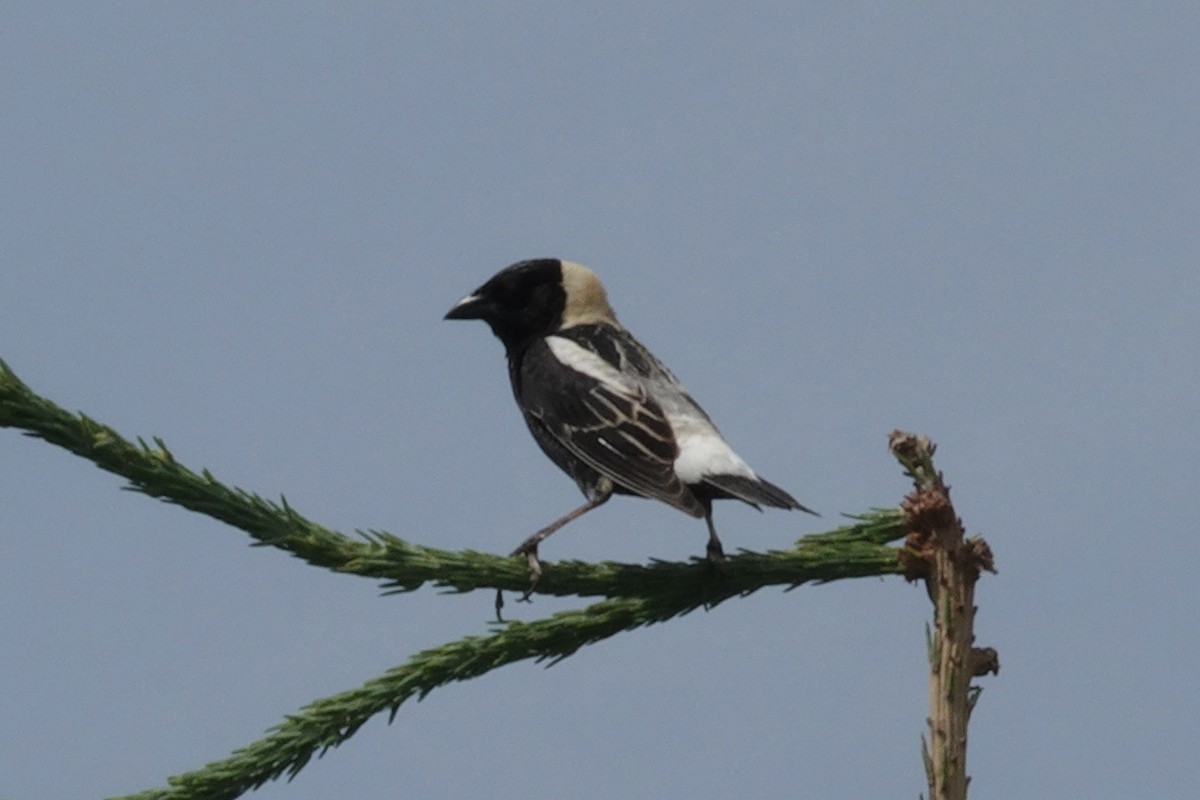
{"points": [[529, 549], [535, 570], [499, 605], [714, 552]]}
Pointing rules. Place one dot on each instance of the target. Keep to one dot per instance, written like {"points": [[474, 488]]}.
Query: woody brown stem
{"points": [[938, 552]]}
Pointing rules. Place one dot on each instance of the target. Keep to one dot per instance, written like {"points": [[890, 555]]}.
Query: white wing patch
{"points": [[702, 450], [584, 361]]}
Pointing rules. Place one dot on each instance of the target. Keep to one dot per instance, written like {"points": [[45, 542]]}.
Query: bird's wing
{"points": [[603, 416]]}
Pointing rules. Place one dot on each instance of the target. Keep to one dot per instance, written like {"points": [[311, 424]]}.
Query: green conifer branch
{"points": [[326, 723], [856, 550], [637, 595]]}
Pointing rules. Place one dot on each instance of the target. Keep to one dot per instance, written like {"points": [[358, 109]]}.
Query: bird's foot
{"points": [[529, 549], [714, 552], [499, 605]]}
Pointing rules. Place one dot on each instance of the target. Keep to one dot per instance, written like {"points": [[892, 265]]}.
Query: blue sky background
{"points": [[237, 226]]}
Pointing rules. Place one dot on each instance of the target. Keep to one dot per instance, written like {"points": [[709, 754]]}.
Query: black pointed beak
{"points": [[470, 307]]}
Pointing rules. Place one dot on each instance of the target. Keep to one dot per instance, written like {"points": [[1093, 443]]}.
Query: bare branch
{"points": [[938, 552]]}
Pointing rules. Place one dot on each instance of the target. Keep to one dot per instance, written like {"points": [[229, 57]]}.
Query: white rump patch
{"points": [[702, 451]]}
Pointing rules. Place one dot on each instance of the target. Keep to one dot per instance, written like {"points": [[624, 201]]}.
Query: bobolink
{"points": [[601, 406]]}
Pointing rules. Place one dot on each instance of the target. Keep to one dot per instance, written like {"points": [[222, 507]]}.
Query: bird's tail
{"points": [[755, 492]]}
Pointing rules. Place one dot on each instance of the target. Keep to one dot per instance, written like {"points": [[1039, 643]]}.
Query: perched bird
{"points": [[601, 406]]}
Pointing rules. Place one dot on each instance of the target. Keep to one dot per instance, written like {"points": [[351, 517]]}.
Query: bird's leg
{"points": [[714, 551], [529, 547]]}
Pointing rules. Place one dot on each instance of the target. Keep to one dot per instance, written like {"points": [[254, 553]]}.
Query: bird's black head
{"points": [[520, 303]]}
